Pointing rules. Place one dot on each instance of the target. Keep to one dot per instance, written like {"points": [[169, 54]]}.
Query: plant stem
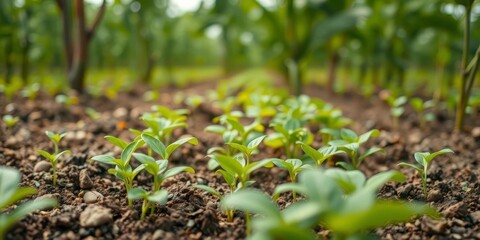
{"points": [[247, 223], [54, 175], [460, 116], [144, 208]]}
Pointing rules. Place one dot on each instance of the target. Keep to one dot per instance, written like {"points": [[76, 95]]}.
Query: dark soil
{"points": [[191, 214]]}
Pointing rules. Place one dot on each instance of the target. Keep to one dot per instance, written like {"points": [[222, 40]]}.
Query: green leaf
{"points": [[311, 152], [107, 159], [127, 152], [251, 201], [230, 164], [256, 165], [176, 170], [287, 187], [116, 141], [215, 129], [137, 193], [283, 164], [55, 159], [238, 147], [160, 197], [228, 177], [155, 144], [255, 142], [236, 125], [209, 190], [364, 137], [46, 155], [381, 214], [419, 170], [430, 157], [420, 157], [369, 152], [148, 162], [275, 140], [378, 180], [348, 135], [172, 147]]}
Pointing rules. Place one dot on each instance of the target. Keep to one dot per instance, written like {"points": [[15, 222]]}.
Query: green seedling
{"points": [[420, 108], [159, 169], [424, 159], [236, 173], [67, 101], [92, 113], [155, 145], [396, 108], [294, 167], [162, 122], [31, 91], [10, 120], [350, 143], [55, 156], [194, 101], [11, 193], [341, 201], [123, 169], [159, 197], [320, 155], [288, 135]]}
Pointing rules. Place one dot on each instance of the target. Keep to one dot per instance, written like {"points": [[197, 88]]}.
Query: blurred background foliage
{"points": [[365, 44]]}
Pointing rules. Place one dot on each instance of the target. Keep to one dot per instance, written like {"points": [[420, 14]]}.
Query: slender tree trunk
{"points": [[25, 66], [333, 60], [8, 60]]}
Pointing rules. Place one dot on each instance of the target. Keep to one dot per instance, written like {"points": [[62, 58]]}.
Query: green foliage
{"points": [[288, 135], [396, 108], [123, 169], [320, 155], [294, 167], [10, 120], [342, 201], [55, 156], [420, 108], [11, 193], [350, 143], [92, 113], [160, 197], [423, 159]]}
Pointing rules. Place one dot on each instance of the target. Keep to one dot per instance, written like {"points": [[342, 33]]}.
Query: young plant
{"points": [[288, 135], [159, 197], [320, 155], [396, 108], [342, 201], [55, 156], [92, 113], [294, 167], [350, 143], [10, 120], [420, 108], [424, 159], [10, 193], [123, 170]]}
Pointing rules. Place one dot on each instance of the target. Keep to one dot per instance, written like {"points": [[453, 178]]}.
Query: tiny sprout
{"points": [[53, 157], [160, 197], [92, 113], [10, 120], [424, 159], [420, 108], [396, 108]]}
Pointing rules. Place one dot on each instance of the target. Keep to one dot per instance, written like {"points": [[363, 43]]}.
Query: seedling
{"points": [[163, 122], [92, 113], [424, 159], [67, 100], [294, 167], [148, 198], [55, 156], [10, 193], [320, 155], [350, 143], [10, 120], [341, 201], [123, 170], [396, 108], [420, 108], [31, 91], [236, 173], [288, 135]]}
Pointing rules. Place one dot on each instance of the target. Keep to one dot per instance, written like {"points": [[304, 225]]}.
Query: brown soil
{"points": [[192, 214]]}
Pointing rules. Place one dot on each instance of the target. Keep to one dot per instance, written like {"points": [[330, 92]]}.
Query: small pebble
{"points": [[42, 166], [434, 195], [92, 197], [94, 216], [84, 179]]}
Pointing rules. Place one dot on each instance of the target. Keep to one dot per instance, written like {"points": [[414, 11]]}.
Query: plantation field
{"points": [[85, 186]]}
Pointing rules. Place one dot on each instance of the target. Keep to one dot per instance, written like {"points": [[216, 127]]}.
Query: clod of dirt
{"points": [[94, 216], [476, 132], [42, 166], [92, 197], [434, 195], [84, 179], [456, 210], [476, 216], [120, 113]]}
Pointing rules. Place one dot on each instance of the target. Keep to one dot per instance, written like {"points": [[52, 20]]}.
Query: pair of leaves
{"points": [[160, 196], [165, 152], [320, 155], [53, 158]]}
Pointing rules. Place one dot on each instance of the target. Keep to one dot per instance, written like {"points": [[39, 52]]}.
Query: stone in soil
{"points": [[94, 216], [92, 197], [84, 179], [434, 195], [42, 166], [456, 210]]}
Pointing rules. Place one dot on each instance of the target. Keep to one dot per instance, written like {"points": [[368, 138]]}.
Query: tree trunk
{"points": [[8, 61], [25, 46], [333, 60]]}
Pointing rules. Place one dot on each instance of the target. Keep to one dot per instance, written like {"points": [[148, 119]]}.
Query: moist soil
{"points": [[454, 188]]}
